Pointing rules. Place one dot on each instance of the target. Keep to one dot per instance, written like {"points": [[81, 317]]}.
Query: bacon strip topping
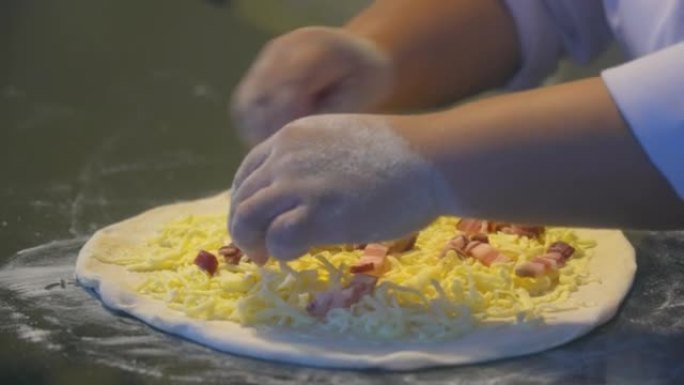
{"points": [[373, 261], [372, 264], [366, 272], [557, 254], [476, 246], [360, 285], [485, 253], [231, 253], [206, 261], [402, 244], [374, 258], [362, 268], [529, 231], [472, 226]]}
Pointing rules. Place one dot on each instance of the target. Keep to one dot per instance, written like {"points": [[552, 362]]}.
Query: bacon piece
{"points": [[480, 237], [556, 256], [206, 261], [529, 231], [457, 244], [472, 225], [402, 244], [562, 248], [374, 254], [485, 253], [361, 268], [360, 285], [530, 269], [231, 253], [474, 247]]}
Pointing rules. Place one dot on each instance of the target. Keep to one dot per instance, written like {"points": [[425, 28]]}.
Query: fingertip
{"points": [[249, 221], [286, 236], [255, 253], [259, 258]]}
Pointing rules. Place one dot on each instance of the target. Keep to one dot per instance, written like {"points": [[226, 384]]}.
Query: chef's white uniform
{"points": [[649, 89]]}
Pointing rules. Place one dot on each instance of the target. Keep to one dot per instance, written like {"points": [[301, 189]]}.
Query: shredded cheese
{"points": [[421, 296]]}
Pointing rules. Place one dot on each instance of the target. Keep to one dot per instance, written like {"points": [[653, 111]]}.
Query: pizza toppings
{"points": [[529, 231], [562, 248], [457, 244], [556, 256], [231, 253], [362, 268], [485, 253], [413, 293], [402, 244], [373, 261], [206, 261], [473, 226], [360, 285], [480, 237], [476, 246], [372, 264]]}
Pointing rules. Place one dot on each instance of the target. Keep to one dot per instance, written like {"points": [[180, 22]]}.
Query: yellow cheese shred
{"points": [[421, 297]]}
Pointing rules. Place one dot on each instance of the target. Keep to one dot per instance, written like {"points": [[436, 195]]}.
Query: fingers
{"points": [[253, 184], [274, 92], [286, 236], [251, 218], [290, 78], [253, 161]]}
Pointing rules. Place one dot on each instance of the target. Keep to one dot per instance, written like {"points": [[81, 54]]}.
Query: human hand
{"points": [[309, 71], [331, 179]]}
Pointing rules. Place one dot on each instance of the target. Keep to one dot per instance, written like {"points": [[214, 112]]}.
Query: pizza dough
{"points": [[613, 264]]}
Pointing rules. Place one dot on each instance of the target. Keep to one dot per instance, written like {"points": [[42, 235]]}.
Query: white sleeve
{"points": [[550, 29], [650, 95]]}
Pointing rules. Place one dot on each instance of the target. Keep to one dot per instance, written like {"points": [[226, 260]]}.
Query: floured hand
{"points": [[309, 71], [330, 179]]}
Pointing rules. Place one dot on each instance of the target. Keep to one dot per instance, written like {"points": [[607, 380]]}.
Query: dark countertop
{"points": [[108, 108]]}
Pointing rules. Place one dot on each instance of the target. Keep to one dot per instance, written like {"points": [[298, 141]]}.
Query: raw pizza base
{"points": [[613, 264]]}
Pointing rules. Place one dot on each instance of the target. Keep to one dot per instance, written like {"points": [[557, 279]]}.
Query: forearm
{"points": [[557, 155], [442, 50]]}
